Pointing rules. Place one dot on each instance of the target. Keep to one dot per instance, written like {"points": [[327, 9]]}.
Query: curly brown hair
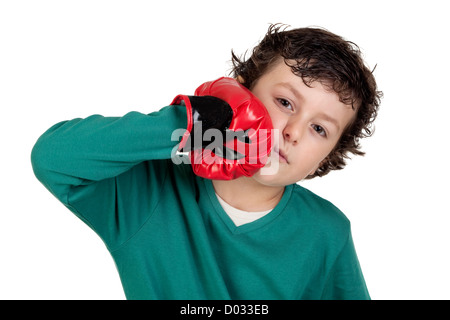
{"points": [[336, 63]]}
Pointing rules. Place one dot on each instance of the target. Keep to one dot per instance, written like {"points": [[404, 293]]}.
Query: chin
{"points": [[273, 180]]}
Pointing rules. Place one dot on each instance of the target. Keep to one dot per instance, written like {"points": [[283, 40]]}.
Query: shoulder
{"points": [[318, 211]]}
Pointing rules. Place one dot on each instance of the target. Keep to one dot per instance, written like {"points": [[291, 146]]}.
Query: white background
{"points": [[65, 59]]}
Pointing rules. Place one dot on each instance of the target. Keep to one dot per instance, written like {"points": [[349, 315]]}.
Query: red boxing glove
{"points": [[241, 139]]}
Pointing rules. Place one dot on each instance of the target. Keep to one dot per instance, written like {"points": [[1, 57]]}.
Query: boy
{"points": [[221, 226]]}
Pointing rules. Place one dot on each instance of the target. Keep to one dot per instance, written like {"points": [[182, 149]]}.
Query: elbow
{"points": [[42, 153], [39, 159]]}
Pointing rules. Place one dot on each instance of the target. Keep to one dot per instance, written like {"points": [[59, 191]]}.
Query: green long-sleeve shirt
{"points": [[167, 232]]}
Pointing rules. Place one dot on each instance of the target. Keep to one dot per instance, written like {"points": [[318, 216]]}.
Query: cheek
{"points": [[308, 157], [278, 120], [314, 154]]}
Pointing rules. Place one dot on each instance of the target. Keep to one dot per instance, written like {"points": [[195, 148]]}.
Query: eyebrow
{"points": [[329, 119], [298, 95], [288, 86]]}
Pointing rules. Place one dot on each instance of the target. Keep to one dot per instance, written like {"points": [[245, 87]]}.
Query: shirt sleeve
{"points": [[346, 280], [109, 171]]}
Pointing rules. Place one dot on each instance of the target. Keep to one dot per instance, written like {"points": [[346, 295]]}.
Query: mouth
{"points": [[281, 155]]}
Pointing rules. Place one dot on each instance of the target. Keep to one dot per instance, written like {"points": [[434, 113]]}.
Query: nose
{"points": [[292, 132]]}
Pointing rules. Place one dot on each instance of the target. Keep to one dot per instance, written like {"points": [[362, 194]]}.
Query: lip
{"points": [[281, 155]]}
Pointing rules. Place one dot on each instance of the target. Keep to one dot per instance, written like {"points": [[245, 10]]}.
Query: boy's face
{"points": [[310, 122]]}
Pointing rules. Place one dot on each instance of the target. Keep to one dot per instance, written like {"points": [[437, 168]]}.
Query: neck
{"points": [[246, 194]]}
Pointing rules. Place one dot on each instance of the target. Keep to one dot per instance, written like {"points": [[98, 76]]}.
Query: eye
{"points": [[285, 103], [320, 130]]}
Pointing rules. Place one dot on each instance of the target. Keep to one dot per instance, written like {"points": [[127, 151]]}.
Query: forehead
{"points": [[283, 68], [280, 74], [315, 96]]}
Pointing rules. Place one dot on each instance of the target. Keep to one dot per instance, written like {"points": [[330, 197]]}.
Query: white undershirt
{"points": [[240, 217]]}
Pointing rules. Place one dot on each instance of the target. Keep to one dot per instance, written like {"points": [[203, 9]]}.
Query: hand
{"points": [[242, 130]]}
